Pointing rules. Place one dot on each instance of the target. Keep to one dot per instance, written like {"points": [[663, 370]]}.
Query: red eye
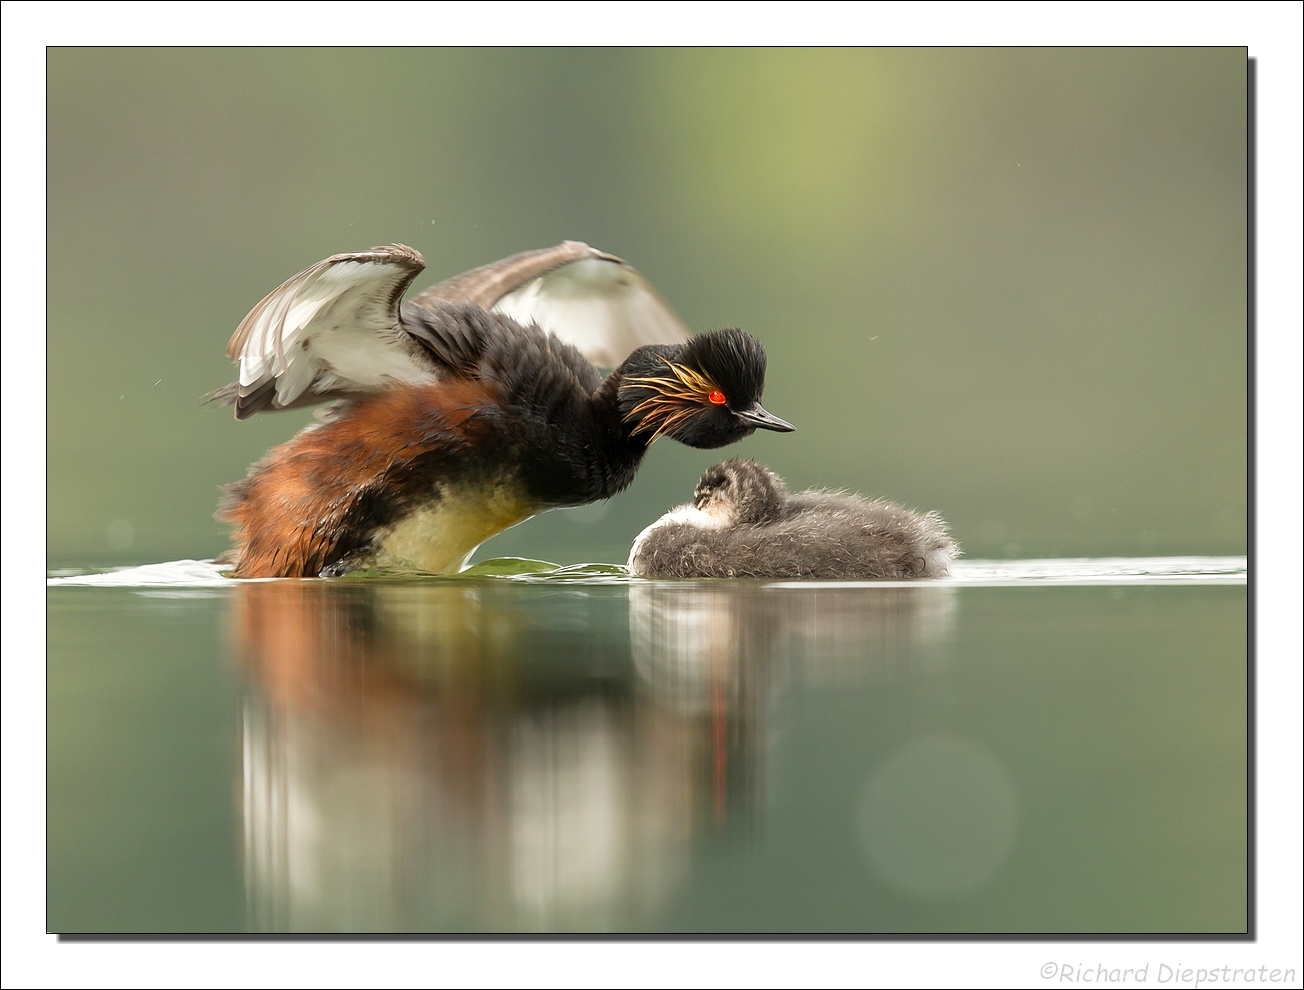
{"points": [[717, 397]]}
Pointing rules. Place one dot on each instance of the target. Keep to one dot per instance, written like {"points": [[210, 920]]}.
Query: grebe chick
{"points": [[467, 409], [744, 523]]}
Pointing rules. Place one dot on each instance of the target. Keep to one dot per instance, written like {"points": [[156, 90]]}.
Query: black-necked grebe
{"points": [[467, 409], [744, 523]]}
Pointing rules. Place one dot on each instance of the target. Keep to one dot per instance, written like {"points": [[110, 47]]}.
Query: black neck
{"points": [[592, 452]]}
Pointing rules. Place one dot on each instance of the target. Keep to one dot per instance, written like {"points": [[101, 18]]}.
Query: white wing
{"points": [[331, 330], [588, 298], [605, 308], [334, 330]]}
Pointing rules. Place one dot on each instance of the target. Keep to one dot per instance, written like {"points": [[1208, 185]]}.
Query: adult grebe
{"points": [[467, 409], [744, 523]]}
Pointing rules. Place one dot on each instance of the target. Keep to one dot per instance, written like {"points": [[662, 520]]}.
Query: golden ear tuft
{"points": [[675, 399]]}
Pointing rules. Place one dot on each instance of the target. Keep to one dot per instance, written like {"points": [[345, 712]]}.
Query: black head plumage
{"points": [[733, 360], [705, 393]]}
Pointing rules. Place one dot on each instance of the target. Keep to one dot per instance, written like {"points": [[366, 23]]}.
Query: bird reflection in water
{"points": [[492, 756]]}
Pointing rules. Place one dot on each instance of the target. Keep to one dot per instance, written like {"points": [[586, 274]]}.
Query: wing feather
{"points": [[332, 329], [593, 300], [335, 330]]}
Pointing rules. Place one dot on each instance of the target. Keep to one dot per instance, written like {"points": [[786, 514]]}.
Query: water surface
{"points": [[1028, 746]]}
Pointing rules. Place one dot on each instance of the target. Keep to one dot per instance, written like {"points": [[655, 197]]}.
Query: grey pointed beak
{"points": [[758, 417]]}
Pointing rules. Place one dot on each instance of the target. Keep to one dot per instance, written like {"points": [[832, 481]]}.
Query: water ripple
{"points": [[1069, 571]]}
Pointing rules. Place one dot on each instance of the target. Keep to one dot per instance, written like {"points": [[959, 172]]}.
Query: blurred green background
{"points": [[1009, 285]]}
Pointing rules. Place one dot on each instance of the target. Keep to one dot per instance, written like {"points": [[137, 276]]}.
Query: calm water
{"points": [[1030, 746]]}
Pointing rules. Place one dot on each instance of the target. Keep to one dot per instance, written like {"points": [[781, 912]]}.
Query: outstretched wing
{"points": [[331, 331], [334, 331], [586, 297]]}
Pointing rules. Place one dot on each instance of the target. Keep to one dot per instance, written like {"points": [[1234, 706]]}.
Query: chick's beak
{"points": [[755, 415]]}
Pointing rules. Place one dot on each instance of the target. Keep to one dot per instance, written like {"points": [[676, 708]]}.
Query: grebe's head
{"points": [[740, 491], [706, 393]]}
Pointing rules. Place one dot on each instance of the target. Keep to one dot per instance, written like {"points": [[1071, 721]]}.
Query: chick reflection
{"points": [[719, 650], [691, 638], [454, 756]]}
